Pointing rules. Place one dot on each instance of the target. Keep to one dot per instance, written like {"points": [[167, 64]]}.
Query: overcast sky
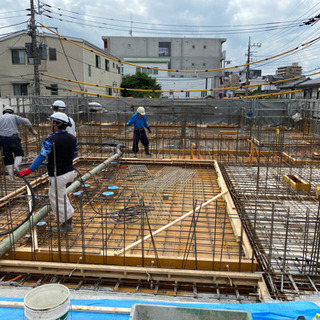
{"points": [[274, 26]]}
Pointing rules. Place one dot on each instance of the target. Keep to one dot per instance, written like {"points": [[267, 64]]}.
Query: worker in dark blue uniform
{"points": [[60, 147], [139, 122]]}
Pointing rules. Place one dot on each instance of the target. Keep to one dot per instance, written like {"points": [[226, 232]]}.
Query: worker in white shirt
{"points": [[60, 106], [10, 142]]}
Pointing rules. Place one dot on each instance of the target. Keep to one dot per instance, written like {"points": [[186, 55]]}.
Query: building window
{"points": [[54, 89], [147, 71], [203, 64], [114, 91], [204, 47], [110, 91], [98, 61], [165, 49], [193, 46], [187, 94], [129, 45], [192, 64], [106, 64], [52, 54], [171, 93], [18, 57], [89, 70], [307, 93], [113, 65], [203, 94], [20, 89]]}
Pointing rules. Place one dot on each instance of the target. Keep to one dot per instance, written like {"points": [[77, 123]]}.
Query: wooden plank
{"points": [[203, 263], [227, 132], [234, 217], [127, 269]]}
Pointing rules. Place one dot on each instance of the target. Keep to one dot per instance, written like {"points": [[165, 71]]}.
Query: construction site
{"points": [[227, 205]]}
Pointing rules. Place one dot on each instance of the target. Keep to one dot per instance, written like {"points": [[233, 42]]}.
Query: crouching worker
{"points": [[60, 147]]}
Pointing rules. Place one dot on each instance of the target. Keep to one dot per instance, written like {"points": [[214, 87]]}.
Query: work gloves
{"points": [[24, 172], [149, 129]]}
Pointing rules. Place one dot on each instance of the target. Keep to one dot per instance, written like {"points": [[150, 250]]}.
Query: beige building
{"points": [[293, 70], [59, 58]]}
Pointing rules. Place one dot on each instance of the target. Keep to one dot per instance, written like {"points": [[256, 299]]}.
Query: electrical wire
{"points": [[157, 31], [129, 214], [184, 26], [314, 40], [12, 25], [65, 54], [284, 37], [15, 11]]}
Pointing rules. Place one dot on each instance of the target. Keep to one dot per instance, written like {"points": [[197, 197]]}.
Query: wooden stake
{"points": [[184, 148], [191, 150]]}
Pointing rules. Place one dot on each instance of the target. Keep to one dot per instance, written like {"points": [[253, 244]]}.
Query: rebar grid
{"points": [[103, 225], [282, 223]]}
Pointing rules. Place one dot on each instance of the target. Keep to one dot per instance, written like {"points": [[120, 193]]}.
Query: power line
{"points": [[170, 25], [12, 25], [15, 11], [237, 29], [185, 71]]}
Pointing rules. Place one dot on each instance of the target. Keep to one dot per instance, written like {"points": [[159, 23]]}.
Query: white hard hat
{"points": [[8, 109], [59, 104], [60, 117], [141, 110]]}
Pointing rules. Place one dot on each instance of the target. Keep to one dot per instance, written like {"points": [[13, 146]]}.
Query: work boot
{"points": [[147, 151], [10, 172], [17, 162], [64, 227]]}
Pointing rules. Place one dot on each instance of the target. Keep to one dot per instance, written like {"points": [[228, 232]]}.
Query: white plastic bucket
{"points": [[50, 302]]}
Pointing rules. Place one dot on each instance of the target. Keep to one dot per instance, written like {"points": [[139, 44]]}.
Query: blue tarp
{"points": [[259, 311]]}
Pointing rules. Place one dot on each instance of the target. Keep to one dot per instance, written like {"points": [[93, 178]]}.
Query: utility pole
{"points": [[35, 52], [248, 69], [248, 62]]}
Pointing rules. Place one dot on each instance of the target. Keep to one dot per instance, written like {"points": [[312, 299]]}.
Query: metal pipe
{"points": [[12, 238]]}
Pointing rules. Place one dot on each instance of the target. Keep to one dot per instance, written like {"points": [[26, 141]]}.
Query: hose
{"points": [[30, 210]]}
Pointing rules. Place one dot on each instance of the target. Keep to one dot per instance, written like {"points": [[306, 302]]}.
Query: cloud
{"points": [[170, 17]]}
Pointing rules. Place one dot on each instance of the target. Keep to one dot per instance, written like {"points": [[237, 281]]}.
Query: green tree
{"points": [[140, 81]]}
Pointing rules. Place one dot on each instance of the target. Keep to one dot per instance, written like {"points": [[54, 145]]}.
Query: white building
{"points": [[159, 70]]}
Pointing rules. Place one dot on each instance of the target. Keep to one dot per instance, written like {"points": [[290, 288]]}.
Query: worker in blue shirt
{"points": [[139, 122], [60, 147]]}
